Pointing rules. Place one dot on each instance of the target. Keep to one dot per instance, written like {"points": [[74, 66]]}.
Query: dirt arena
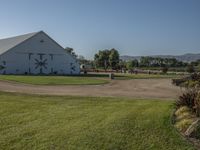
{"points": [[137, 88]]}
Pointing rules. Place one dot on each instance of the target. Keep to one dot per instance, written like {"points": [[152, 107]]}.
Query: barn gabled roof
{"points": [[8, 43]]}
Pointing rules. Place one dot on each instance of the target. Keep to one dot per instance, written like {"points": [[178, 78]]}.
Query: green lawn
{"points": [[89, 79], [53, 122], [145, 76], [53, 80]]}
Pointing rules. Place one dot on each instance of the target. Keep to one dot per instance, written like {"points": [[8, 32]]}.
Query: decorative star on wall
{"points": [[2, 67], [72, 67], [41, 63]]}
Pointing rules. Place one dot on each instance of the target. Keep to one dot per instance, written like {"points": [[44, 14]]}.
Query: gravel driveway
{"points": [[136, 88]]}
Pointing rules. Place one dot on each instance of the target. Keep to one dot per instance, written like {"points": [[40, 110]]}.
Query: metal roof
{"points": [[8, 43]]}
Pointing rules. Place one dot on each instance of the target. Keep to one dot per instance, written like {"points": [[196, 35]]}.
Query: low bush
{"points": [[197, 104], [192, 84], [190, 81], [183, 124], [179, 82], [185, 115], [191, 99], [187, 99], [165, 69], [181, 110], [195, 76], [197, 133], [190, 68]]}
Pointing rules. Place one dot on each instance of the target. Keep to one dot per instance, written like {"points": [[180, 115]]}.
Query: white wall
{"points": [[18, 62]]}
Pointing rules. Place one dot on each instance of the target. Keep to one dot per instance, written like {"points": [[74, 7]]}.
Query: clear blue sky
{"points": [[134, 27]]}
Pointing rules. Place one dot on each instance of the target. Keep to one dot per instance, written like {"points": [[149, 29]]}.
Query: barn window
{"points": [[42, 41]]}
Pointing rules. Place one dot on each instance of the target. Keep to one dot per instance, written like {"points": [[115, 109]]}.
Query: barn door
{"points": [[40, 64]]}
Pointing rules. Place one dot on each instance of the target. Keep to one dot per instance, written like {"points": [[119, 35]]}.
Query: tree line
{"points": [[161, 62], [110, 59]]}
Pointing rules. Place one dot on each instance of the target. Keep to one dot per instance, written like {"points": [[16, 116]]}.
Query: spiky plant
{"points": [[187, 99], [197, 104]]}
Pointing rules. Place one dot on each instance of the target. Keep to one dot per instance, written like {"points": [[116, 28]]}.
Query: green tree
{"points": [[122, 64], [165, 69], [107, 58], [96, 60], [190, 68], [114, 58], [145, 61], [172, 62], [83, 60], [102, 58], [71, 51], [131, 64]]}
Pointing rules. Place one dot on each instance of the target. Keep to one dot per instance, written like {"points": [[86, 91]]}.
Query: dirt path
{"points": [[137, 88]]}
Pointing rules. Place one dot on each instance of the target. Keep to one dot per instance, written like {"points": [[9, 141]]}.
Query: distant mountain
{"points": [[186, 57]]}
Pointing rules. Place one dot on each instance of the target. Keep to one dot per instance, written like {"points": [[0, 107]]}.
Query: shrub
{"points": [[195, 76], [191, 99], [178, 82], [190, 68], [185, 115], [181, 110], [193, 84], [190, 84], [197, 104], [183, 124], [197, 133], [164, 69], [187, 99], [189, 81]]}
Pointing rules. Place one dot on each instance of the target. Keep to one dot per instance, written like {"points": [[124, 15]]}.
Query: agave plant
{"points": [[191, 99], [188, 98], [197, 104]]}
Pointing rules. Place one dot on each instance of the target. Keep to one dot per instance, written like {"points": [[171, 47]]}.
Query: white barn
{"points": [[35, 53]]}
